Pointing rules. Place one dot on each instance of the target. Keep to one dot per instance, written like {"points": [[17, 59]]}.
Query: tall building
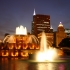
{"points": [[40, 23], [60, 34]]}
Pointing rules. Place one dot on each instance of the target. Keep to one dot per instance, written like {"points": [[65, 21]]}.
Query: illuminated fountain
{"points": [[21, 34], [19, 43], [46, 52], [21, 30]]}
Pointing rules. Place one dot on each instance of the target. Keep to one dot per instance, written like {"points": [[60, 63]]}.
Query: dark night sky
{"points": [[14, 13]]}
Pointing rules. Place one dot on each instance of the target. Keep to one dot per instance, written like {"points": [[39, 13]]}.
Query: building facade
{"points": [[40, 23], [60, 34]]}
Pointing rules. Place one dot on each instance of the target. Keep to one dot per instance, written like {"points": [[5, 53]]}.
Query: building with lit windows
{"points": [[59, 34], [40, 23]]}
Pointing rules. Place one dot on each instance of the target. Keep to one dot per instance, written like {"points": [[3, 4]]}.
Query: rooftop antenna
{"points": [[34, 12]]}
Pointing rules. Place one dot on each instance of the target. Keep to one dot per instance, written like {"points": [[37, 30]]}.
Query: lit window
{"points": [[46, 22], [37, 17], [41, 27]]}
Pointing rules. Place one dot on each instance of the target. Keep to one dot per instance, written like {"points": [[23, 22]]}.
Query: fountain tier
{"points": [[21, 39]]}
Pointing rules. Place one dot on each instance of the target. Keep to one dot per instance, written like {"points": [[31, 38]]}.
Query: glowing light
{"points": [[16, 54], [49, 55], [60, 25], [51, 27], [5, 54], [34, 12], [21, 30], [46, 53], [40, 56], [24, 54]]}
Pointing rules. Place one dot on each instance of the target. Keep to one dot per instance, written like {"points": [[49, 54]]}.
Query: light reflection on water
{"points": [[16, 64], [47, 66]]}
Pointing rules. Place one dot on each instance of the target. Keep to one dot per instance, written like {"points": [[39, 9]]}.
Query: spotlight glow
{"points": [[21, 30], [46, 53], [49, 55]]}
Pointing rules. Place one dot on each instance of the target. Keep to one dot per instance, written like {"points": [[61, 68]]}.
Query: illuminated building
{"points": [[51, 29], [67, 31], [60, 34], [40, 23]]}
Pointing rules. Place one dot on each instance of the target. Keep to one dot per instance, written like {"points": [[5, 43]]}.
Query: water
{"points": [[43, 43], [19, 64], [46, 52], [21, 30]]}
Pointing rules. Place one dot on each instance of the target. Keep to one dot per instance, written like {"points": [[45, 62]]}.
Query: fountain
{"points": [[21, 30], [46, 52], [21, 34], [20, 43]]}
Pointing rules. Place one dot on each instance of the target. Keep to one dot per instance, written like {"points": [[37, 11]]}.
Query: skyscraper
{"points": [[40, 23]]}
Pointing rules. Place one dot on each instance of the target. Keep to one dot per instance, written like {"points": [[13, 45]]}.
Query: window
{"points": [[46, 22]]}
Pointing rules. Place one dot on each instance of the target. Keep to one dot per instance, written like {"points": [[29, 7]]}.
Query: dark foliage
{"points": [[6, 34], [65, 42]]}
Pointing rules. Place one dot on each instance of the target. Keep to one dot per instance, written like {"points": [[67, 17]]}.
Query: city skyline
{"points": [[14, 13]]}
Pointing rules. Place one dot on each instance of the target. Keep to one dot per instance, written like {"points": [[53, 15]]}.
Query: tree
{"points": [[65, 43], [6, 34]]}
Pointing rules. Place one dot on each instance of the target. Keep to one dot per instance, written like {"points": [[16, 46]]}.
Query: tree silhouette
{"points": [[6, 34], [65, 43]]}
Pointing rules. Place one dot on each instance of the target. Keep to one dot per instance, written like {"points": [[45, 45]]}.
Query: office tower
{"points": [[40, 23]]}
